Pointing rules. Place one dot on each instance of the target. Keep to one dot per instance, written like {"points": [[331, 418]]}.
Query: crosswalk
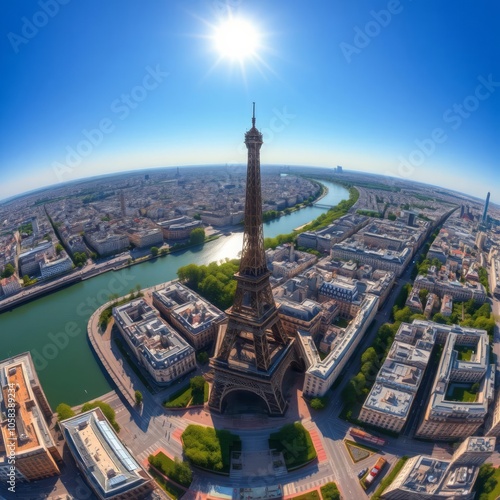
{"points": [[291, 488], [145, 454]]}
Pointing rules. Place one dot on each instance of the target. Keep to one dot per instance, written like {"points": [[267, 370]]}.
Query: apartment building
{"points": [[462, 390], [179, 228], [9, 286], [322, 374], [460, 292], [51, 268], [104, 461], [105, 243], [390, 400], [306, 315], [344, 292], [195, 318], [286, 262], [34, 449], [158, 348], [145, 238]]}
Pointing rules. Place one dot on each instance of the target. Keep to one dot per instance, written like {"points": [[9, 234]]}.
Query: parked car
{"points": [[362, 472]]}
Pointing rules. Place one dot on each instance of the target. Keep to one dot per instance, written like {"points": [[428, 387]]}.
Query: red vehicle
{"points": [[375, 471], [359, 434]]}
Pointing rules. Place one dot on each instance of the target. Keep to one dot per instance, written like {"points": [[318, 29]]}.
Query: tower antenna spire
{"points": [[253, 115]]}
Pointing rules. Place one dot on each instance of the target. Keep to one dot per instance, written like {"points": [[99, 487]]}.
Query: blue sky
{"points": [[398, 87]]}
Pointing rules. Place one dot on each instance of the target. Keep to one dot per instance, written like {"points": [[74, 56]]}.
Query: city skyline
{"points": [[385, 89]]}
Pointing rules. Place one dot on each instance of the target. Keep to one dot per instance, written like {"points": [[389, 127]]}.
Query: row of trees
{"points": [[320, 222], [372, 358], [64, 411], [469, 314], [213, 281], [370, 213], [177, 470], [196, 237], [483, 278]]}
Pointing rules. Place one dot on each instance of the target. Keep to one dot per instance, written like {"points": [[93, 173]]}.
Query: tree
{"points": [[439, 318], [359, 383], [423, 294], [154, 251], [391, 216], [369, 355], [330, 492], [486, 481], [197, 384], [369, 370], [403, 315], [197, 236], [64, 411], [202, 357], [8, 271], [79, 258], [349, 393], [109, 413], [181, 472], [317, 403], [138, 398], [59, 248]]}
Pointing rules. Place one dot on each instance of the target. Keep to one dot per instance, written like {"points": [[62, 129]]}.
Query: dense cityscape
{"points": [[381, 316], [249, 250]]}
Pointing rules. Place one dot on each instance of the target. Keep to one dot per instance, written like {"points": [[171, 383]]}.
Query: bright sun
{"points": [[236, 39]]}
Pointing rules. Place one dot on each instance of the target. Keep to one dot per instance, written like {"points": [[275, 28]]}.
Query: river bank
{"points": [[42, 289], [54, 326]]}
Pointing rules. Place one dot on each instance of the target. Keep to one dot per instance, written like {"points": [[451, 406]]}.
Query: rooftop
{"points": [[342, 343], [481, 444], [160, 345], [193, 312], [31, 430], [426, 475], [400, 375], [383, 398], [106, 462], [306, 310]]}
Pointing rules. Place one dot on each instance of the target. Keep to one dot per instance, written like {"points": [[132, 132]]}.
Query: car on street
{"points": [[362, 472]]}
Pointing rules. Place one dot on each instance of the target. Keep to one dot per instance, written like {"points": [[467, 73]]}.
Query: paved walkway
{"points": [[316, 439], [101, 343]]}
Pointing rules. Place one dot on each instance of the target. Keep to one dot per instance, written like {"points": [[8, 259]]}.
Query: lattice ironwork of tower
{"points": [[253, 351]]}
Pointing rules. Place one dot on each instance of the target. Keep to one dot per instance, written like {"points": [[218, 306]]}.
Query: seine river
{"points": [[53, 328]]}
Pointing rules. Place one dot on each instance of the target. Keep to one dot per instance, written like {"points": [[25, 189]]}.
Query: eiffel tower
{"points": [[253, 351]]}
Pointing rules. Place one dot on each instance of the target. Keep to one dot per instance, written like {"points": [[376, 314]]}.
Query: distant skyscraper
{"points": [[485, 213]]}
